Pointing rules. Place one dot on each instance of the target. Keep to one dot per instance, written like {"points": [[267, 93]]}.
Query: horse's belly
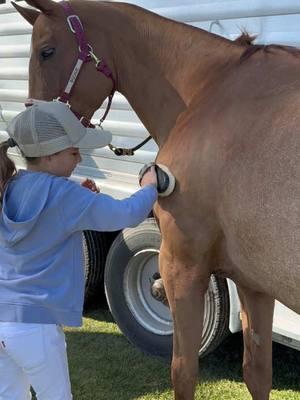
{"points": [[261, 225]]}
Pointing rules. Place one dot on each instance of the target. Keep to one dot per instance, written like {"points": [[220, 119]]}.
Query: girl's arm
{"points": [[85, 210]]}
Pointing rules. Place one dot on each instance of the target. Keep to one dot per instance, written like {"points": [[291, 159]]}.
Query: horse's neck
{"points": [[160, 64]]}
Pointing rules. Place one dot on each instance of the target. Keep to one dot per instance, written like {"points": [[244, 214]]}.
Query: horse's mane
{"points": [[246, 40]]}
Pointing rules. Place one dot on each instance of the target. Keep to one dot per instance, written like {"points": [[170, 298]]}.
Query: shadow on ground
{"points": [[224, 363]]}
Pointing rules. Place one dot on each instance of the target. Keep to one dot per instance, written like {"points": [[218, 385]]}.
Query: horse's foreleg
{"points": [[257, 317], [185, 288]]}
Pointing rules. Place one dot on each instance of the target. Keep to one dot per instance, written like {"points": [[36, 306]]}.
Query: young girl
{"points": [[42, 216]]}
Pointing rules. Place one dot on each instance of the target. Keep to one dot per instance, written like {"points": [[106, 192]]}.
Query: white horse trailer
{"points": [[129, 260]]}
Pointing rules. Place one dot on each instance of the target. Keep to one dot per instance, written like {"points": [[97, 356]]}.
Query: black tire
{"points": [[95, 248], [130, 265], [216, 315]]}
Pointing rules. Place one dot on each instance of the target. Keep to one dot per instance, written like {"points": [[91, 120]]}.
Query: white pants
{"points": [[33, 355]]}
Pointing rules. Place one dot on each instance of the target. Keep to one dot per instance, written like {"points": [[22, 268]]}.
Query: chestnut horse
{"points": [[226, 118]]}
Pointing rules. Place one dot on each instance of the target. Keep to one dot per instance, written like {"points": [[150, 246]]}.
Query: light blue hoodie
{"points": [[41, 253]]}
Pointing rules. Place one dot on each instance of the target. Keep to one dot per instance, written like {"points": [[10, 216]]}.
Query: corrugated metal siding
{"points": [[273, 21]]}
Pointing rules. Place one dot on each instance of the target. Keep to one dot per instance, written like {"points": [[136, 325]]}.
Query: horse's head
{"points": [[55, 52]]}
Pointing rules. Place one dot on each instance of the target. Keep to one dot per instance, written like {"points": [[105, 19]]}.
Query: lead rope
{"points": [[121, 151]]}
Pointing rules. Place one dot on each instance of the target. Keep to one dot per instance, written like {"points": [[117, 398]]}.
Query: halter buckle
{"points": [[70, 23]]}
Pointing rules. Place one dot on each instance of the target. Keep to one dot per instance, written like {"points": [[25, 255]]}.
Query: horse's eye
{"points": [[47, 53]]}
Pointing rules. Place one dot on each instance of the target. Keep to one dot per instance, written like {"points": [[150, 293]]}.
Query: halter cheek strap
{"points": [[85, 55]]}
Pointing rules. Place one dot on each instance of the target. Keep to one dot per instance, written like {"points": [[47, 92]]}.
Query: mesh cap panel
{"points": [[47, 127], [23, 130]]}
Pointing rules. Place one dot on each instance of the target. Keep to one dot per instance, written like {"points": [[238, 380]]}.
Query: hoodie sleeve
{"points": [[82, 209]]}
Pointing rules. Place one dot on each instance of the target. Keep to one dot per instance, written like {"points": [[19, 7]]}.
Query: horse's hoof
{"points": [[165, 179]]}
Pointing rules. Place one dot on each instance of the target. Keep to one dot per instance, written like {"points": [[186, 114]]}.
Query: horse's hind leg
{"points": [[257, 317], [185, 287]]}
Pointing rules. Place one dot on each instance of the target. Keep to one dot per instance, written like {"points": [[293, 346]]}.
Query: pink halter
{"points": [[85, 55]]}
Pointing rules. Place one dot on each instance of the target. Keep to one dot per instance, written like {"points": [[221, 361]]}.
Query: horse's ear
{"points": [[27, 13], [48, 7]]}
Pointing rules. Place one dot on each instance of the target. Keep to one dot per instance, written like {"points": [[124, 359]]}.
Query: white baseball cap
{"points": [[48, 127]]}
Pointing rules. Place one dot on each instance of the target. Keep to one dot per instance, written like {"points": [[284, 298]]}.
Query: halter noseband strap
{"points": [[85, 55]]}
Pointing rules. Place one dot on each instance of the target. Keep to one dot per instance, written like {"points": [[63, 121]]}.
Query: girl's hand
{"points": [[91, 185], [149, 178]]}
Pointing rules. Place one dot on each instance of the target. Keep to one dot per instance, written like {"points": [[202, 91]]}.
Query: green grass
{"points": [[104, 366]]}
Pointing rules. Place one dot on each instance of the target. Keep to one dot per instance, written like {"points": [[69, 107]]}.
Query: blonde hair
{"points": [[7, 167]]}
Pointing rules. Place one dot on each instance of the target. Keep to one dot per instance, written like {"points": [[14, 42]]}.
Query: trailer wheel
{"points": [[131, 264], [95, 248]]}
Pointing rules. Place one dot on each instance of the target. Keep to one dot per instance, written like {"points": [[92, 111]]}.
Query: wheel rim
{"points": [[153, 315]]}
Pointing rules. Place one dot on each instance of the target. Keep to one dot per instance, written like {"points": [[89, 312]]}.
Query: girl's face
{"points": [[64, 162]]}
